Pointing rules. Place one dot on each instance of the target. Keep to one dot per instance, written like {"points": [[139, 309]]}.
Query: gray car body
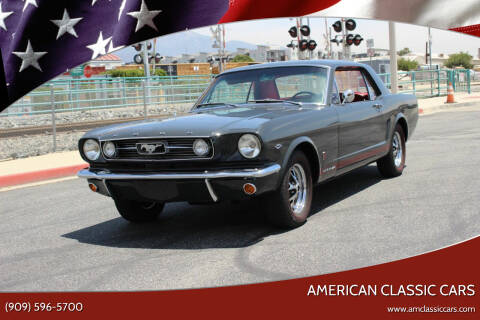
{"points": [[336, 137]]}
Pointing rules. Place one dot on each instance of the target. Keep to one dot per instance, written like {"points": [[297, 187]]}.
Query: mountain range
{"points": [[188, 42]]}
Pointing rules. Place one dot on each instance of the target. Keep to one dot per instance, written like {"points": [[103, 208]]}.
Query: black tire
{"points": [[137, 212], [278, 207], [390, 165]]}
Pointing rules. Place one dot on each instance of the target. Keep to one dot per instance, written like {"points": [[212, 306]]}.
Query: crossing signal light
{"points": [[350, 24], [305, 30], [357, 40], [293, 32], [349, 39], [337, 26], [312, 45], [138, 46], [303, 45]]}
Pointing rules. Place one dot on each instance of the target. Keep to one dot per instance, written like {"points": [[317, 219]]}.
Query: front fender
{"points": [[291, 148]]}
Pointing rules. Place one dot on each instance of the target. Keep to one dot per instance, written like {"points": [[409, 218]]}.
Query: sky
{"points": [[273, 32]]}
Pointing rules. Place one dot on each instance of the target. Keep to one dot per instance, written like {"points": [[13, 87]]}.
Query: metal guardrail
{"points": [[431, 83], [105, 93]]}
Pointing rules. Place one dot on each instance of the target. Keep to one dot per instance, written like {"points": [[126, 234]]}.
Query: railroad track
{"points": [[66, 127]]}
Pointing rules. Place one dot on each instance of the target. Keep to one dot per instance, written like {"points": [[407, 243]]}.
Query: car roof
{"points": [[318, 63]]}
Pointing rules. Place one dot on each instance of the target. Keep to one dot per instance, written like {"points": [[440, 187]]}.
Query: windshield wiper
{"points": [[215, 104], [275, 101]]}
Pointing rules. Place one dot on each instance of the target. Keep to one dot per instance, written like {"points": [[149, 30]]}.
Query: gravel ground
{"points": [[28, 146]]}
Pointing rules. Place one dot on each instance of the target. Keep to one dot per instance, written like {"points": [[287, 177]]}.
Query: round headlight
{"points": [[91, 149], [109, 149], [249, 146], [200, 147]]}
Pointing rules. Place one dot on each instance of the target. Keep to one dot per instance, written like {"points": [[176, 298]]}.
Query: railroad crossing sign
{"points": [[88, 71]]}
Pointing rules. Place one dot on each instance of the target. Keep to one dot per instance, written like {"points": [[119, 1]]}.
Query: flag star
{"points": [[3, 16], [120, 11], [144, 17], [111, 48], [66, 25], [29, 57], [32, 2], [98, 48], [93, 2]]}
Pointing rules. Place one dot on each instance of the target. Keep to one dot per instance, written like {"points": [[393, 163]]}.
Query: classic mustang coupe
{"points": [[270, 130]]}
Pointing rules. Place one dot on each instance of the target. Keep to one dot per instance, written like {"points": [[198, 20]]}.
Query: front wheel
{"points": [[393, 163], [136, 211], [290, 205]]}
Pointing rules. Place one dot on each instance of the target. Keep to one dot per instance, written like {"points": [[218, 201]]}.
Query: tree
{"points": [[242, 58], [404, 51], [407, 65], [461, 59]]}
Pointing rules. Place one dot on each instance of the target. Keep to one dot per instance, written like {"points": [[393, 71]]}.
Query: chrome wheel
{"points": [[297, 188], [397, 149]]}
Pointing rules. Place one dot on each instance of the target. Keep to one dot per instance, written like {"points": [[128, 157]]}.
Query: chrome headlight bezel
{"points": [[107, 149], [91, 149], [249, 146], [201, 147]]}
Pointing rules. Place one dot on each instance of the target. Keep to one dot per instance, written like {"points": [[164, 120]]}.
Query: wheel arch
{"points": [[402, 121], [306, 145]]}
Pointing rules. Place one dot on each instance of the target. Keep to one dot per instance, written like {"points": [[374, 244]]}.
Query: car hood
{"points": [[203, 123]]}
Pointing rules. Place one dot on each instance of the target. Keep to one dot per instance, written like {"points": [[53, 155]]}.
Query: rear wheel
{"points": [[393, 163], [290, 205], [136, 211]]}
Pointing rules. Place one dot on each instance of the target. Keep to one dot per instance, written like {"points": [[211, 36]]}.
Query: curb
{"points": [[426, 111], [35, 176]]}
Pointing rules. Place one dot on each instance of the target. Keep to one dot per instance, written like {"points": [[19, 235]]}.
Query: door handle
{"points": [[377, 106]]}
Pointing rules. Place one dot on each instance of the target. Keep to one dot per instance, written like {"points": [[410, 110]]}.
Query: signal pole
{"points": [[393, 57]]}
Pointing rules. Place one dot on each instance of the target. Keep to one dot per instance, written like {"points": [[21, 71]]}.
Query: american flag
{"points": [[40, 39]]}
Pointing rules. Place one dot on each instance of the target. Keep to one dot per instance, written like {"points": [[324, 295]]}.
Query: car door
{"points": [[362, 123]]}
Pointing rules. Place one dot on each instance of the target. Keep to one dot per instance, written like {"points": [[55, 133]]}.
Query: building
{"points": [[108, 61]]}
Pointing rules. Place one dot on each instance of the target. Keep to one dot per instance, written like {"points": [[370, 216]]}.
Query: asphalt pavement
{"points": [[61, 236]]}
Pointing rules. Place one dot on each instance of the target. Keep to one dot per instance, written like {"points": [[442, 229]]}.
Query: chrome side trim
{"points": [[210, 190], [361, 151], [241, 173]]}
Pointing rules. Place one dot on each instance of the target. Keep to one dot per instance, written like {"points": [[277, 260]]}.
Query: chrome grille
{"points": [[176, 149]]}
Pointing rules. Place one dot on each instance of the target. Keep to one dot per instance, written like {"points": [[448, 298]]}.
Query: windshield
{"points": [[279, 84]]}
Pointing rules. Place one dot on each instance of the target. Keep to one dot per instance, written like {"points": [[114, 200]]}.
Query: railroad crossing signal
{"points": [[300, 43]]}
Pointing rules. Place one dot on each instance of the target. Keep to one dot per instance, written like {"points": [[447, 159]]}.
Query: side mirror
{"points": [[348, 96]]}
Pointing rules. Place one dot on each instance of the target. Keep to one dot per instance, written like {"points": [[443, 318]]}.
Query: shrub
{"points": [[407, 65]]}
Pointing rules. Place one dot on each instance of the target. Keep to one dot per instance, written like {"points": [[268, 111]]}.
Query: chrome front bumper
{"points": [[105, 175], [241, 173]]}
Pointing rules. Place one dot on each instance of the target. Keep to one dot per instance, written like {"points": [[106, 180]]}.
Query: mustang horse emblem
{"points": [[152, 148]]}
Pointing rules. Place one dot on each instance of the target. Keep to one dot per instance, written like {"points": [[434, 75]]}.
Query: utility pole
{"points": [[344, 39], [328, 46], [430, 48], [146, 67], [393, 57], [299, 38]]}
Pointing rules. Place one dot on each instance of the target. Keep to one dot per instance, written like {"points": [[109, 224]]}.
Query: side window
{"points": [[359, 81], [352, 79]]}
